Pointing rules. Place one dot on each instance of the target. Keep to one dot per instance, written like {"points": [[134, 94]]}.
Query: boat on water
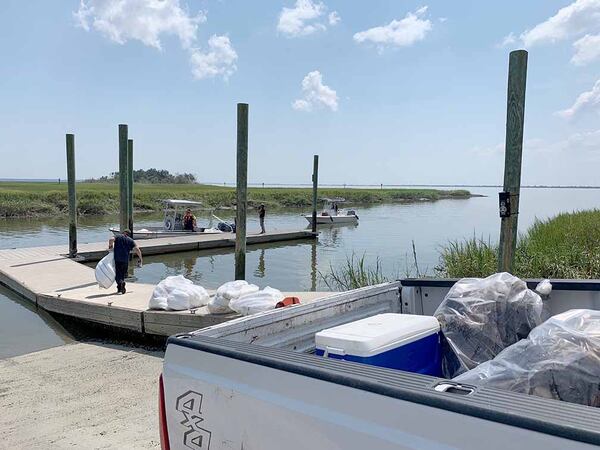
{"points": [[333, 214], [173, 222]]}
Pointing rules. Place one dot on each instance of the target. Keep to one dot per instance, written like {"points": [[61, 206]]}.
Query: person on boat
{"points": [[189, 221], [261, 216], [123, 244]]}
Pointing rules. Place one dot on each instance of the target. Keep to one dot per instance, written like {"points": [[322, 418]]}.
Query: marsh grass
{"points": [[353, 274], [38, 199], [565, 246]]}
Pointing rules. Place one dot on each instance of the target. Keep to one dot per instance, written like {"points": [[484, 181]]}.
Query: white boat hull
{"points": [[322, 220]]}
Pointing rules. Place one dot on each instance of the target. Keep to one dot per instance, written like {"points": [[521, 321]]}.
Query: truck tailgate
{"points": [[227, 395]]}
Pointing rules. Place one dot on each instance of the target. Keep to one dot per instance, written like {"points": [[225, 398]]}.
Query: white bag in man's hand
{"points": [[105, 271]]}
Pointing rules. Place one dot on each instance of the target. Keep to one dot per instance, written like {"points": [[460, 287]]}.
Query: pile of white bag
{"points": [[177, 293], [256, 302], [243, 298]]}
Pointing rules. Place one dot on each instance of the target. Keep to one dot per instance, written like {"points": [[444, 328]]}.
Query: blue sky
{"points": [[394, 91]]}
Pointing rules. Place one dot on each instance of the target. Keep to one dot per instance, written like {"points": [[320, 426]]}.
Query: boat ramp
{"points": [[50, 279]]}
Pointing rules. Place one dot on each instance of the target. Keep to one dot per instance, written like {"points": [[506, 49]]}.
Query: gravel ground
{"points": [[89, 396]]}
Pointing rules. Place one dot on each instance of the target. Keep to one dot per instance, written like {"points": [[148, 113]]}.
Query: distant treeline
{"points": [[150, 176]]}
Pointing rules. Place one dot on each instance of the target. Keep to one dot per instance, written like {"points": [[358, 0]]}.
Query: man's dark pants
{"points": [[121, 268]]}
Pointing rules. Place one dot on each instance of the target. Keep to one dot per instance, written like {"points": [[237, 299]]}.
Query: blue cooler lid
{"points": [[375, 335]]}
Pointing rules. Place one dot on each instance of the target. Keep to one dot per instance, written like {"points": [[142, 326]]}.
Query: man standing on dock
{"points": [[261, 216], [123, 244]]}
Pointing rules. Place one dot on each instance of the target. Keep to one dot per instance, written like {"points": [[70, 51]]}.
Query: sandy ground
{"points": [[87, 396]]}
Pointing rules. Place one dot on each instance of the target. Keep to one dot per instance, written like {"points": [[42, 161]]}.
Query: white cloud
{"points": [[509, 39], [306, 17], [333, 18], [219, 59], [589, 140], [399, 33], [142, 20], [148, 21], [316, 94], [578, 18], [587, 49], [583, 101]]}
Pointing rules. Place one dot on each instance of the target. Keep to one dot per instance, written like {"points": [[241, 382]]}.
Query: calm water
{"points": [[385, 232], [23, 329]]}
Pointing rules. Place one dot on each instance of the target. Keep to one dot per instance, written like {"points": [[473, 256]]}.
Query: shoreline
{"points": [[40, 200]]}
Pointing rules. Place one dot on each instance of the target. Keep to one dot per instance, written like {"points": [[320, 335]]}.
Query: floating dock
{"points": [[56, 283]]}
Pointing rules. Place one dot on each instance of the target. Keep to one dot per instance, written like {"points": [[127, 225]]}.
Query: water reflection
{"points": [[24, 328], [260, 269]]}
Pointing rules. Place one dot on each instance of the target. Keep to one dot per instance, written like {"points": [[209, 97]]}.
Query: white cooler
{"points": [[397, 341]]}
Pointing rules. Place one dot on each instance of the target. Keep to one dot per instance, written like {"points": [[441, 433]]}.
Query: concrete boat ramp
{"points": [[56, 283]]}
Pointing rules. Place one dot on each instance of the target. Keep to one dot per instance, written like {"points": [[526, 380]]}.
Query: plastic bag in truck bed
{"points": [[481, 317], [560, 360]]}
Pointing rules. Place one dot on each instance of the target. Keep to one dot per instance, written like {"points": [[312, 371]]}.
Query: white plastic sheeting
{"points": [[105, 271], [481, 317], [177, 293], [255, 302], [227, 292], [560, 360]]}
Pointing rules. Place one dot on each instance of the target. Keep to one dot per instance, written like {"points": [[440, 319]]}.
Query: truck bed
{"points": [[260, 388]]}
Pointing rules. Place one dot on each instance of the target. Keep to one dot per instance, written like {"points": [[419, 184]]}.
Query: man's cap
{"points": [[127, 231]]}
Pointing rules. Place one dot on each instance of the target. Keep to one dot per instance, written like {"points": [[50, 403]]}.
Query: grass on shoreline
{"points": [[23, 199], [565, 246]]}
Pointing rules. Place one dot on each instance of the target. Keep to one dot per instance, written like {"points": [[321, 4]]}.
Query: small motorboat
{"points": [[333, 214], [172, 222]]}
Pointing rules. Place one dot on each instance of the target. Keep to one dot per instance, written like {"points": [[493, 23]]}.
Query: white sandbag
{"points": [[176, 282], [157, 302], [177, 293], [198, 296], [178, 300], [255, 302], [219, 305], [234, 289], [105, 271]]}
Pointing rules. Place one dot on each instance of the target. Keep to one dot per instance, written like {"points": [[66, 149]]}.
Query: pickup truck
{"points": [[254, 383]]}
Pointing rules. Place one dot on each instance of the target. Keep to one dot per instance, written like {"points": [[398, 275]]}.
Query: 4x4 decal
{"points": [[190, 406]]}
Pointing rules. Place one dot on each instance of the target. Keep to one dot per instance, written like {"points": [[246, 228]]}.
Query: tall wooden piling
{"points": [[130, 185], [241, 191], [72, 196], [509, 199], [123, 196], [315, 181]]}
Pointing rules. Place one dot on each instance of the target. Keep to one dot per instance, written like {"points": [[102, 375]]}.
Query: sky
{"points": [[385, 91]]}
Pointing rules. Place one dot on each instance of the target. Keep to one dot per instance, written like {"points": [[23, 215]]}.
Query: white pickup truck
{"points": [[255, 384]]}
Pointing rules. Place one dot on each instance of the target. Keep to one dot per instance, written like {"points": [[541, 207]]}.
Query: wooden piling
{"points": [[123, 131], [315, 180], [72, 196], [130, 185], [241, 191], [509, 199]]}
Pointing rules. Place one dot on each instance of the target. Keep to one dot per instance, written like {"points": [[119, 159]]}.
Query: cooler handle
{"points": [[334, 350]]}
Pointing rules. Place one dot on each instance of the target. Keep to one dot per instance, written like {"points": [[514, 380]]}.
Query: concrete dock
{"points": [[56, 283]]}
